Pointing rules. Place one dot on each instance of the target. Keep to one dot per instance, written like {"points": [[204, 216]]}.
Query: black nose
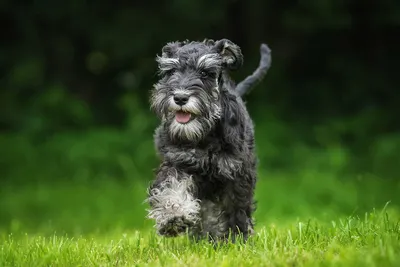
{"points": [[181, 99]]}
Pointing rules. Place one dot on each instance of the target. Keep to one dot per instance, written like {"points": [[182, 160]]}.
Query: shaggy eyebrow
{"points": [[166, 64], [208, 60]]}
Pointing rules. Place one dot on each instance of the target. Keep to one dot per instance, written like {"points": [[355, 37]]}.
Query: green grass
{"points": [[373, 240], [301, 221]]}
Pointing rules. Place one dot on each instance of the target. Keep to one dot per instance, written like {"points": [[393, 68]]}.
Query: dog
{"points": [[205, 183]]}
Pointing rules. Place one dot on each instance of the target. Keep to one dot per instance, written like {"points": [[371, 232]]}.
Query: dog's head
{"points": [[188, 95]]}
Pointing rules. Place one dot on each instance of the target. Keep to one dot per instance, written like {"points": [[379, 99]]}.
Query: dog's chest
{"points": [[209, 187]]}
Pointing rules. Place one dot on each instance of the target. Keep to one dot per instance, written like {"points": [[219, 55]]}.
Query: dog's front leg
{"points": [[173, 203], [199, 161], [226, 165], [192, 160]]}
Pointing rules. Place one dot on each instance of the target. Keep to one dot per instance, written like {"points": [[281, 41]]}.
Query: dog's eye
{"points": [[204, 74], [169, 72], [165, 73]]}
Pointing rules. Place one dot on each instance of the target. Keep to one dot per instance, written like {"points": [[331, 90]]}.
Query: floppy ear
{"points": [[231, 53], [168, 61], [209, 42], [232, 118]]}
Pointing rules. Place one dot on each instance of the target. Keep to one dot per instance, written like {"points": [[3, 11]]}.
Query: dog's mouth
{"points": [[182, 116]]}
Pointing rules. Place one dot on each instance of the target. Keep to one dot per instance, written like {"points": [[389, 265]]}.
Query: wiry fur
{"points": [[205, 183], [172, 200]]}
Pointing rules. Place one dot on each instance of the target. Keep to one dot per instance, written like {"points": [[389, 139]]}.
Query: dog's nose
{"points": [[181, 99]]}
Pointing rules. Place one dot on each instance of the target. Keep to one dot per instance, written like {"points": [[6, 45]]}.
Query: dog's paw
{"points": [[175, 226]]}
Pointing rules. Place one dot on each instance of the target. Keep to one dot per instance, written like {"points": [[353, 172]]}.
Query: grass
{"points": [[300, 222], [373, 240]]}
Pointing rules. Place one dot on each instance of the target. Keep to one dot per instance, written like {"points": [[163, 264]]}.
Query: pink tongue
{"points": [[182, 117]]}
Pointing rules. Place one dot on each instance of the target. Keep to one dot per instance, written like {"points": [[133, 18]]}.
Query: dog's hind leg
{"points": [[241, 210], [173, 204], [214, 223], [222, 222]]}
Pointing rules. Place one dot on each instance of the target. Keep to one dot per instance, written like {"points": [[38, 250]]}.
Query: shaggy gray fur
{"points": [[206, 180]]}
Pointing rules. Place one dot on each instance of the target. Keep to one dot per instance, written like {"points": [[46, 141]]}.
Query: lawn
{"points": [[300, 222], [369, 241]]}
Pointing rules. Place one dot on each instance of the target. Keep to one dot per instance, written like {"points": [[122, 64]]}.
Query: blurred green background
{"points": [[77, 133]]}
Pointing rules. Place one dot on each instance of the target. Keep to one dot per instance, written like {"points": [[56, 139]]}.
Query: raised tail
{"points": [[265, 63]]}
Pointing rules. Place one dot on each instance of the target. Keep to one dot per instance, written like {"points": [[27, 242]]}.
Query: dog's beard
{"points": [[193, 121]]}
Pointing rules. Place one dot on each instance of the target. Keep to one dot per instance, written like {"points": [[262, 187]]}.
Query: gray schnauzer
{"points": [[205, 183]]}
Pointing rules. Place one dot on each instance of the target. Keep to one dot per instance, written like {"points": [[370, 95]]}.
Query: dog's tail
{"points": [[252, 80]]}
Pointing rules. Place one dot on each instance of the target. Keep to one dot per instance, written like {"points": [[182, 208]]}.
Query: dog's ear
{"points": [[231, 53], [209, 42], [168, 59], [170, 49]]}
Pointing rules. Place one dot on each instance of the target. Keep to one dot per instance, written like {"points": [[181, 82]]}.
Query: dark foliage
{"points": [[75, 65]]}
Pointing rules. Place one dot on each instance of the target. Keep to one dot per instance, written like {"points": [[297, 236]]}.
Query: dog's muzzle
{"points": [[184, 104], [181, 116]]}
